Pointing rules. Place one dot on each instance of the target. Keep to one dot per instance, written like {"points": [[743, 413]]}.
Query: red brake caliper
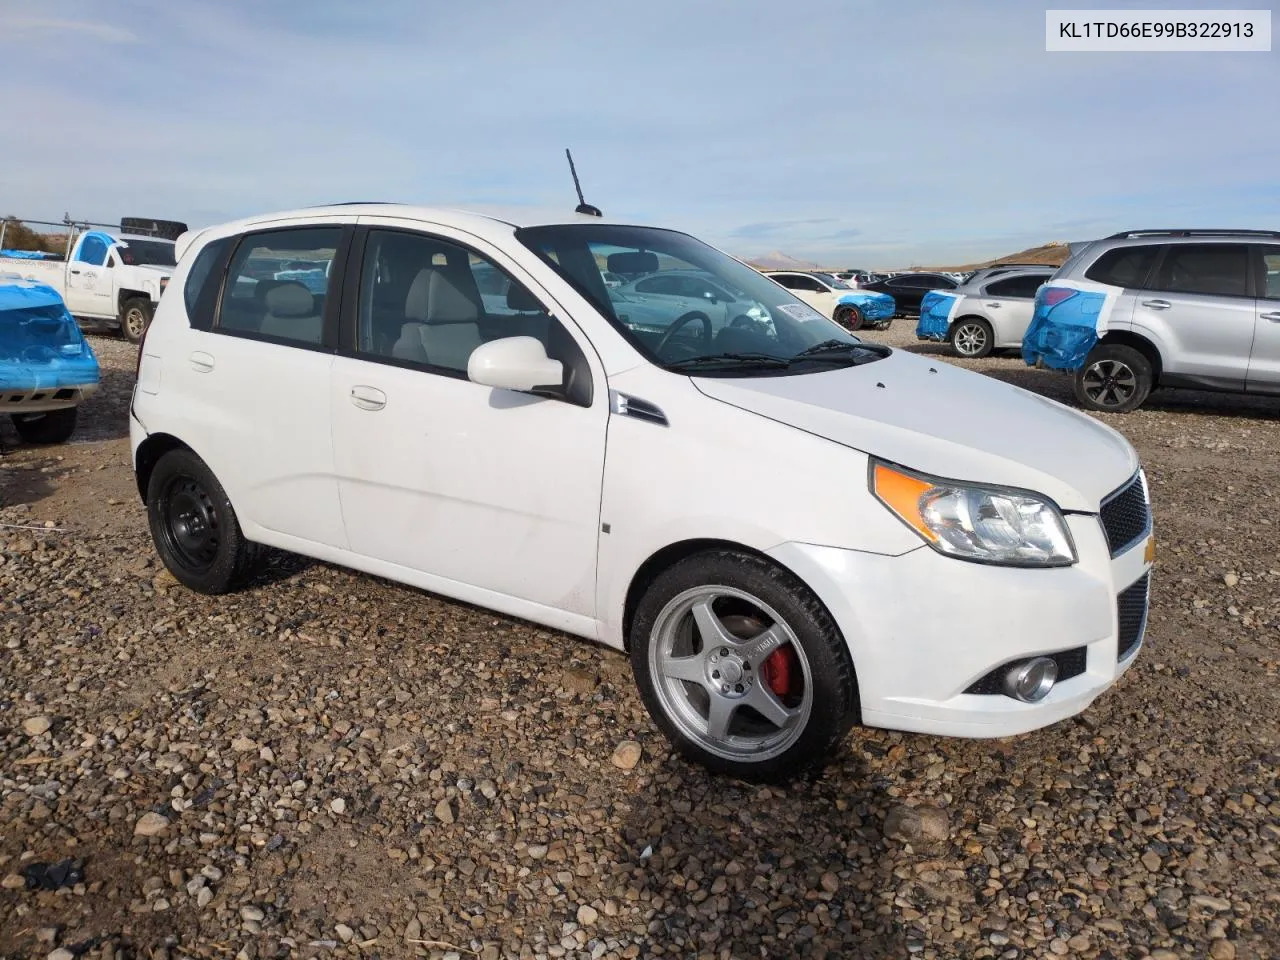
{"points": [[781, 671]]}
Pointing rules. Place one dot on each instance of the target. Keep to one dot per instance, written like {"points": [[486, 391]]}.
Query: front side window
{"points": [[93, 249], [426, 301], [1124, 266], [762, 330], [1214, 269], [263, 296]]}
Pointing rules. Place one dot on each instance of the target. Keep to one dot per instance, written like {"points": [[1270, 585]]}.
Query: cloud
{"points": [[737, 127], [771, 228], [100, 31]]}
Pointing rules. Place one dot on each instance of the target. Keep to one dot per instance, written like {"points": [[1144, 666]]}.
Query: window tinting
{"points": [[201, 289], [1271, 273], [1023, 285], [1124, 266], [427, 301], [277, 284], [1216, 269]]}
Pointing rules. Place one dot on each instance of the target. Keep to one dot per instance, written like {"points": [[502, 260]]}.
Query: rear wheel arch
{"points": [[149, 453], [1139, 343]]}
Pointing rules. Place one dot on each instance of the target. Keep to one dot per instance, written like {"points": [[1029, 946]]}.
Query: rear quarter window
{"points": [[1124, 266], [200, 293]]}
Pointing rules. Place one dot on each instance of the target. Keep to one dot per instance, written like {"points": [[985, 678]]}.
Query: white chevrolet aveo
{"points": [[788, 529]]}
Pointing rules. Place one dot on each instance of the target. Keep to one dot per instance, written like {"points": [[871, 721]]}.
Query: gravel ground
{"points": [[329, 765]]}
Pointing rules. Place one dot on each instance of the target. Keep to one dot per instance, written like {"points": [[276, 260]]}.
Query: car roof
{"points": [[494, 224]]}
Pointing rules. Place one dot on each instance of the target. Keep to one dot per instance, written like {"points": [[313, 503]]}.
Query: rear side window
{"points": [[278, 282], [1124, 266], [1271, 273], [1024, 286], [200, 293], [1215, 269]]}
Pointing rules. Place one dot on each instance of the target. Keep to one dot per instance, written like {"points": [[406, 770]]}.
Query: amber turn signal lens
{"points": [[901, 494]]}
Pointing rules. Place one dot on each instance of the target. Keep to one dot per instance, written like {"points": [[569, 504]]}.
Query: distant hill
{"points": [[777, 260], [1052, 254]]}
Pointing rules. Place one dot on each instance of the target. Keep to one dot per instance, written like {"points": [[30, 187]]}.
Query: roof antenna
{"points": [[583, 206]]}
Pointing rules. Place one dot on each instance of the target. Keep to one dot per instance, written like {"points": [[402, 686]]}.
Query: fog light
{"points": [[1031, 682]]}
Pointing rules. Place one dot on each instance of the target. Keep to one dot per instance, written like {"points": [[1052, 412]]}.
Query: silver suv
{"points": [[1162, 308]]}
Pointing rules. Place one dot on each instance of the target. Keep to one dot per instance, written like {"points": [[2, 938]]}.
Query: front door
{"points": [[89, 286], [1202, 310], [1264, 362], [481, 487]]}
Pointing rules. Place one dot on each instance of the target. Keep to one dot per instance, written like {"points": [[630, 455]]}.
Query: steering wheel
{"points": [[681, 322]]}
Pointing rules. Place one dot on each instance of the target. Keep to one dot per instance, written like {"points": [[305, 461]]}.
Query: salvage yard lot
{"points": [[340, 766]]}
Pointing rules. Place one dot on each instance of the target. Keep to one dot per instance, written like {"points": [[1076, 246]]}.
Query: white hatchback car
{"points": [[788, 529], [989, 312]]}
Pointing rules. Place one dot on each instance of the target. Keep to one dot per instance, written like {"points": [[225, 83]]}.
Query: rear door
{"points": [[1008, 303], [1202, 307], [1264, 361], [258, 382]]}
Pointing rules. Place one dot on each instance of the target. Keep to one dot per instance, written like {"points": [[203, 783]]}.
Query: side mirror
{"points": [[515, 363]]}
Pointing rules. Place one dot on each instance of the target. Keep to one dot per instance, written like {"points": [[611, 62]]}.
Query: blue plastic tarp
{"points": [[41, 346], [317, 281], [30, 255], [1064, 327], [93, 247], [874, 306], [935, 315]]}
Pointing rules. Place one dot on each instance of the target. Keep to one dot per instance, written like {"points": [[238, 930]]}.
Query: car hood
{"points": [[933, 417]]}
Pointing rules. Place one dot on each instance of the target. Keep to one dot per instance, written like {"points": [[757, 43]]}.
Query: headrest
{"points": [[639, 262], [263, 287], [434, 298], [521, 300], [290, 299]]}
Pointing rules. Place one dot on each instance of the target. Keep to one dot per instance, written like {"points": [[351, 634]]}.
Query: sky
{"points": [[858, 134]]}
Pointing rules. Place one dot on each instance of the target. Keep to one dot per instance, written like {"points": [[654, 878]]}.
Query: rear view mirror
{"points": [[515, 363], [639, 262]]}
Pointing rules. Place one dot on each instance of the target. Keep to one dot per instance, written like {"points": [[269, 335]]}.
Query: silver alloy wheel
{"points": [[135, 323], [706, 669], [970, 339], [1109, 383]]}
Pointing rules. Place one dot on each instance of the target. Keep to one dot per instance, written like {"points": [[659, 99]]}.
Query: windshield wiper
{"points": [[830, 348], [763, 360]]}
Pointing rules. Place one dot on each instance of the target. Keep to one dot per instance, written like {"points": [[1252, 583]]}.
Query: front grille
{"points": [[1126, 515], [1071, 663], [1131, 606]]}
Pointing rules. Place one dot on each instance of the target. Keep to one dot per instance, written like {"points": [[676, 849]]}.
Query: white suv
{"points": [[789, 530]]}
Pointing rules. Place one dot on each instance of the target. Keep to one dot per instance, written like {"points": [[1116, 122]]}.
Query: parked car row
{"points": [[1130, 313], [836, 300]]}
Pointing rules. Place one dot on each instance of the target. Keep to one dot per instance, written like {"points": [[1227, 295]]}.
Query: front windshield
{"points": [[146, 253], [672, 302]]}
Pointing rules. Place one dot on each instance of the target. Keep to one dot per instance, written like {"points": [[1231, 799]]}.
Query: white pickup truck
{"points": [[112, 276]]}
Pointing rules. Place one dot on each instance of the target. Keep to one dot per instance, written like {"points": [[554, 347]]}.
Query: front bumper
{"points": [[923, 628]]}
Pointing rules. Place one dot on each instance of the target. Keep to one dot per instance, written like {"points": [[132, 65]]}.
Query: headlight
{"points": [[986, 524]]}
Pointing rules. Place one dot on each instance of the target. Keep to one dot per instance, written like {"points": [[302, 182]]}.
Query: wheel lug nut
{"points": [[724, 688]]}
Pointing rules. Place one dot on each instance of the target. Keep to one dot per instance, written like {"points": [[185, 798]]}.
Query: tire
{"points": [[851, 318], [971, 338], [194, 527], [803, 677], [53, 426], [135, 317], [1114, 379]]}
